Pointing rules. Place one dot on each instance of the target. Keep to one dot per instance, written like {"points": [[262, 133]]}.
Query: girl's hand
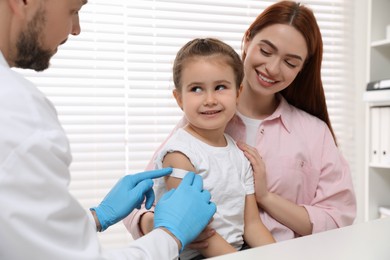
{"points": [[201, 241], [146, 222], [258, 167]]}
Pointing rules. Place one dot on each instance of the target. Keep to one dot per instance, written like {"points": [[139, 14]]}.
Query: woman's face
{"points": [[274, 57]]}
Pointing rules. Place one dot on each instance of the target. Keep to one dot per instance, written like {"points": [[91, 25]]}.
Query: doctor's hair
{"points": [[207, 48], [306, 91]]}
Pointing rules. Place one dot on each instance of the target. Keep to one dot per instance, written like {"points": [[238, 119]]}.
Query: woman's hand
{"points": [[258, 167], [282, 210]]}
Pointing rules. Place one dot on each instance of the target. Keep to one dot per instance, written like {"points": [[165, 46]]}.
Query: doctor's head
{"points": [[37, 28]]}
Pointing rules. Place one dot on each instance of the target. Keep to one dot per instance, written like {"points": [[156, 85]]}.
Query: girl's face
{"points": [[208, 93], [274, 57]]}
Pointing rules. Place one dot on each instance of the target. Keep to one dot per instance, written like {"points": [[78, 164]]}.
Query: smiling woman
{"points": [[286, 60], [112, 84]]}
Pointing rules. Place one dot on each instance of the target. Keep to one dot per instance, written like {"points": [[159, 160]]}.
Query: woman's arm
{"points": [[286, 212], [255, 233]]}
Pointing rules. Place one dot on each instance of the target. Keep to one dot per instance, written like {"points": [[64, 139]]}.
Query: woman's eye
{"points": [[291, 65], [265, 52]]}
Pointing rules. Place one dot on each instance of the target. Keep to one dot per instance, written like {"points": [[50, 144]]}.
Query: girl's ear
{"points": [[239, 90], [177, 96], [238, 93]]}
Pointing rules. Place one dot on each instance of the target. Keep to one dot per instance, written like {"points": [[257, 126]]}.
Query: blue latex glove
{"points": [[127, 194], [186, 211]]}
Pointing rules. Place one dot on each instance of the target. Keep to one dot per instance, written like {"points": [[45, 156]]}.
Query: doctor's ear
{"points": [[177, 95], [19, 7]]}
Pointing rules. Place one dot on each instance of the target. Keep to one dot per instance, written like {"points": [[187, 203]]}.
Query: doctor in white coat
{"points": [[39, 219]]}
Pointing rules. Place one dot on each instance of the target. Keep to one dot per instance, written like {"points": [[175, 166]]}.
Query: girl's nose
{"points": [[210, 99]]}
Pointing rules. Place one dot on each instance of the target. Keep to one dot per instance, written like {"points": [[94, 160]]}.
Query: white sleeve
{"points": [[39, 218], [155, 245]]}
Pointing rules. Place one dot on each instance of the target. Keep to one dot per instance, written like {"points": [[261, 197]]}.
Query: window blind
{"points": [[112, 84]]}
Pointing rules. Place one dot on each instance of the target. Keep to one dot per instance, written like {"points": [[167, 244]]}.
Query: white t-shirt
{"points": [[226, 173], [252, 127]]}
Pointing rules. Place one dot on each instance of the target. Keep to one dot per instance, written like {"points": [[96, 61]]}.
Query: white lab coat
{"points": [[39, 219]]}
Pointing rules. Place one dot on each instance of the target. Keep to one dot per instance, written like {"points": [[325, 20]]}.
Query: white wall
{"points": [[361, 75]]}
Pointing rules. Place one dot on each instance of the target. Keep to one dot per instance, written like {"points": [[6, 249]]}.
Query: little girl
{"points": [[207, 74]]}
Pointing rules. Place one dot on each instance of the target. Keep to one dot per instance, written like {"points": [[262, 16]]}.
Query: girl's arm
{"points": [[216, 244], [255, 233], [286, 212], [140, 221]]}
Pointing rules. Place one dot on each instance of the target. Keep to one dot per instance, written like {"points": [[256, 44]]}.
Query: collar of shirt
{"points": [[282, 112]]}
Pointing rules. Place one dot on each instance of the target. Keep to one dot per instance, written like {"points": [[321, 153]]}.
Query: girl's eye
{"points": [[196, 89], [220, 87]]}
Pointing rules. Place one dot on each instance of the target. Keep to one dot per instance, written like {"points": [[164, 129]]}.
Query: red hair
{"points": [[306, 92]]}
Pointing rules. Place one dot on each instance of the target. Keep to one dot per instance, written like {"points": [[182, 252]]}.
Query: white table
{"points": [[370, 240]]}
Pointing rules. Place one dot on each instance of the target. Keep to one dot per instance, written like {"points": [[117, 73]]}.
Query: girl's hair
{"points": [[306, 91], [205, 48]]}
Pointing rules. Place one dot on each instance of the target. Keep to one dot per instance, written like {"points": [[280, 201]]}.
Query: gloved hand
{"points": [[127, 194], [186, 211]]}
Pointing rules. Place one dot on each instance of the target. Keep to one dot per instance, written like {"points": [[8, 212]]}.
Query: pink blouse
{"points": [[303, 165]]}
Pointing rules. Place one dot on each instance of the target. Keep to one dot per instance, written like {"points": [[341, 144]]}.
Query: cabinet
{"points": [[377, 172]]}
